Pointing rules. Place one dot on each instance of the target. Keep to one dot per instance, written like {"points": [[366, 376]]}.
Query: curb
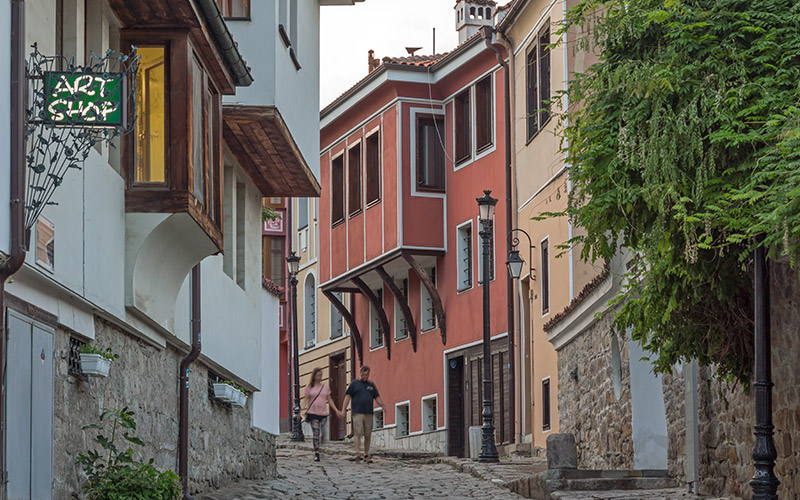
{"points": [[397, 454]]}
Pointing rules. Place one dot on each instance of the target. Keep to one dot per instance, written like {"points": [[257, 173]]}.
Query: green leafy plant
{"points": [[235, 386], [684, 150], [269, 213], [91, 349], [115, 472]]}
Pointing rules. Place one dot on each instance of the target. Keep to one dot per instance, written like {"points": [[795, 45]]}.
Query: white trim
{"points": [[474, 155], [307, 264], [584, 315], [459, 291], [311, 274], [402, 403], [473, 344], [550, 397], [412, 142], [381, 142], [370, 262], [375, 317], [435, 397], [534, 30], [422, 309], [544, 186], [399, 168], [323, 344]]}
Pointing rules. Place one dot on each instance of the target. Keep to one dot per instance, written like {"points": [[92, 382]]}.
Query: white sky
{"points": [[387, 27]]}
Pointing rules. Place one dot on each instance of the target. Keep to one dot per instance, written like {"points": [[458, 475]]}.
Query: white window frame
{"points": [[399, 319], [424, 297], [549, 278], [460, 265], [398, 427], [336, 316], [375, 413], [474, 154], [375, 324], [423, 400], [313, 341]]}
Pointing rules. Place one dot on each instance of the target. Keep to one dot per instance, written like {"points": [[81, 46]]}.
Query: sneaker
{"points": [[316, 457], [367, 459]]}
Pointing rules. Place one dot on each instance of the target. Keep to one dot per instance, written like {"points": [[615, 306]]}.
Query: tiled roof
{"points": [[272, 287], [576, 301], [422, 61]]}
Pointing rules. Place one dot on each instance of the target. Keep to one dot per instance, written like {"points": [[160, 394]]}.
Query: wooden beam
{"points": [[426, 281], [351, 322], [403, 301], [381, 313]]}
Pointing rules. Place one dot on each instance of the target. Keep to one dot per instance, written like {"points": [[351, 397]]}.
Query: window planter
{"points": [[229, 394], [95, 364]]}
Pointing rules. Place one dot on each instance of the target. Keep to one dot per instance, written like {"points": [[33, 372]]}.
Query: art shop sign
{"points": [[85, 99]]}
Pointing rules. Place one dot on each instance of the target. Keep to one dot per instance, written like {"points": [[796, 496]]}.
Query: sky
{"points": [[385, 26]]}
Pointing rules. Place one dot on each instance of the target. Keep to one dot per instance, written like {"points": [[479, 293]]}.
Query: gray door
{"points": [[29, 410]]}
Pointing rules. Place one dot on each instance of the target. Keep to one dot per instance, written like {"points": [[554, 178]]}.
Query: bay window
{"points": [[430, 153], [151, 127]]}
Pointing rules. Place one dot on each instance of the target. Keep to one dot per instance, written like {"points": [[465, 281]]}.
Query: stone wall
{"points": [[435, 442], [601, 424], [224, 447], [588, 407]]}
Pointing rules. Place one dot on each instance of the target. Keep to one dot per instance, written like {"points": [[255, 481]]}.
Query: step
{"points": [[610, 474], [616, 483]]}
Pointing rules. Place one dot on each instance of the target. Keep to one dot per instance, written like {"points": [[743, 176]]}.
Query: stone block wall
{"points": [[223, 446], [435, 442], [588, 407], [601, 424]]}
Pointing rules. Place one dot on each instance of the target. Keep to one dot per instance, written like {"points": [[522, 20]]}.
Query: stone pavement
{"points": [[337, 477], [671, 494]]}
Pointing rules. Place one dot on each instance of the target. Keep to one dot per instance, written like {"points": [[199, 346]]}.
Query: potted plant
{"points": [[95, 361], [228, 392]]}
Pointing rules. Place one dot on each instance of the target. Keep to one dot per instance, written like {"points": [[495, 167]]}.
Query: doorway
{"points": [[456, 431], [338, 382], [29, 409]]}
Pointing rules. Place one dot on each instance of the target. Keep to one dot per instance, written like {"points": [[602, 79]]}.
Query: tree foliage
{"points": [[684, 145]]}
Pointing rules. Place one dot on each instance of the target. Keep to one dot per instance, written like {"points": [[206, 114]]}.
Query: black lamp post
{"points": [[764, 483], [294, 267], [515, 262], [488, 448]]}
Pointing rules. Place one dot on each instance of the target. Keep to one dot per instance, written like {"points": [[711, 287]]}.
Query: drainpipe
{"points": [[17, 166], [487, 32], [183, 418]]}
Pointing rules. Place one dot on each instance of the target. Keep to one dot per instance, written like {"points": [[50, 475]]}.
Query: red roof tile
{"points": [[422, 61]]}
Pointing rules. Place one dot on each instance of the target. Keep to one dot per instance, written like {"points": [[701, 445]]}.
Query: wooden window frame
{"points": [[436, 121], [538, 89], [339, 194], [355, 182], [226, 9], [176, 193], [373, 171], [547, 403], [468, 268], [462, 125], [484, 113], [545, 275]]}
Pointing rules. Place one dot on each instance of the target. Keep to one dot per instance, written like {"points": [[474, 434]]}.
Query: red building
{"points": [[405, 154]]}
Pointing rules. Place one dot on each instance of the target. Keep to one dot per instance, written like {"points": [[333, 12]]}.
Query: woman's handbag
{"points": [[312, 402]]}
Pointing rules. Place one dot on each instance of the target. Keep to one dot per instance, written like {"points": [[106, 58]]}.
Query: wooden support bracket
{"points": [[403, 301], [427, 282], [381, 313], [351, 322]]}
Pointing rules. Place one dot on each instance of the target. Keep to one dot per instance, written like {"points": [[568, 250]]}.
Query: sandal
{"points": [[367, 459], [316, 457]]}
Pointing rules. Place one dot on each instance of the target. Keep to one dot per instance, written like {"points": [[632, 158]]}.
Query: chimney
{"points": [[471, 15], [374, 62]]}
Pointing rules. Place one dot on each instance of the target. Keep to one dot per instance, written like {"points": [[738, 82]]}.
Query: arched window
{"points": [[310, 311], [480, 13], [616, 367], [472, 12]]}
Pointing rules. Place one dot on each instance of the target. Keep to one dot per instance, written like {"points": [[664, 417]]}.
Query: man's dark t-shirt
{"points": [[362, 394]]}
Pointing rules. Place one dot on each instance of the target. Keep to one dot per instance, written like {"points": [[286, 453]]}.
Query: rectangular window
{"points": [[212, 157], [427, 314], [337, 189], [45, 243], [430, 153], [197, 136], [373, 161], [375, 329], [537, 75], [545, 277], [464, 256], [229, 217], [546, 404], [429, 414], [377, 418], [462, 124], [400, 325], [234, 9], [151, 125], [302, 213], [337, 321], [544, 75], [483, 113], [401, 414], [354, 180], [276, 259]]}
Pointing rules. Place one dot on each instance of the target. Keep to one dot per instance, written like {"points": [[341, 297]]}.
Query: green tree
{"points": [[684, 148]]}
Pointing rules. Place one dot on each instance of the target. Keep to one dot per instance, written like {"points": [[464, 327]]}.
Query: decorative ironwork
{"points": [[74, 359], [70, 110]]}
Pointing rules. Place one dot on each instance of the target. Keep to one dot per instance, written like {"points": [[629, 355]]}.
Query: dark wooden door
{"points": [[338, 381], [456, 435]]}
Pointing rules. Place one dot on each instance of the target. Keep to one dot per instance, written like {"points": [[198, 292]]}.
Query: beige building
{"points": [[553, 274], [323, 336]]}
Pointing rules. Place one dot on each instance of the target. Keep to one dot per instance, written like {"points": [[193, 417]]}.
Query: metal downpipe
{"points": [[183, 417]]}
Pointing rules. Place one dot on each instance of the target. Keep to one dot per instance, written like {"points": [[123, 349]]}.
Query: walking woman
{"points": [[318, 397]]}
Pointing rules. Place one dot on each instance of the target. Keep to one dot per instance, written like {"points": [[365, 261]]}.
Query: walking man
{"points": [[362, 392]]}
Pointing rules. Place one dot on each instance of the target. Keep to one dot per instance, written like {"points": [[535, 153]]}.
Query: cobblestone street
{"points": [[337, 477]]}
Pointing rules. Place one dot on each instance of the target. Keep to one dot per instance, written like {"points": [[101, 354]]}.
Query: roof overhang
{"points": [[260, 140], [392, 261]]}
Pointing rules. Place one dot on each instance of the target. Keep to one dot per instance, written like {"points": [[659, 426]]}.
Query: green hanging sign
{"points": [[84, 99]]}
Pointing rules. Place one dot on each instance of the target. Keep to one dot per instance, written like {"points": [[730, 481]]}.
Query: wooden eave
{"points": [[165, 15], [262, 143]]}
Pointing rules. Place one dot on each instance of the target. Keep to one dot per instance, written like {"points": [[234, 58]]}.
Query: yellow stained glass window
{"points": [[151, 123]]}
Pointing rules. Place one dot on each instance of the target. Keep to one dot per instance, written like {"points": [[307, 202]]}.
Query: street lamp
{"points": [[486, 215], [294, 266], [515, 262]]}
